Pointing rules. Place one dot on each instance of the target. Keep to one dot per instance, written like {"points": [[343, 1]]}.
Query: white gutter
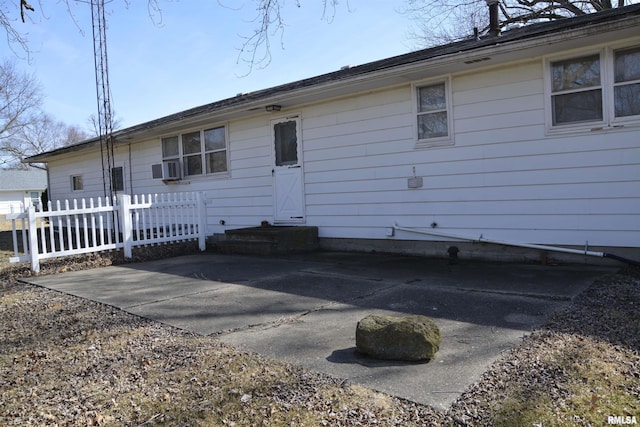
{"points": [[482, 239]]}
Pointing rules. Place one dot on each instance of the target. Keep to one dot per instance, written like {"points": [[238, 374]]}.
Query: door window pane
{"points": [[286, 143]]}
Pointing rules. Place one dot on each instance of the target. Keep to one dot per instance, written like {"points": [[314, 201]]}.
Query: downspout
{"points": [[483, 239], [130, 173]]}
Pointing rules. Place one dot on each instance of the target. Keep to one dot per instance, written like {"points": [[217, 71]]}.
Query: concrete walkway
{"points": [[304, 309]]}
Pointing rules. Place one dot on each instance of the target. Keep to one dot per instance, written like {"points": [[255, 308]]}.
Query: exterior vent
{"points": [[473, 61]]}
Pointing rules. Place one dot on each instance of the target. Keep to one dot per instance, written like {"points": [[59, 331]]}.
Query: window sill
{"points": [[440, 143], [198, 178], [592, 128]]}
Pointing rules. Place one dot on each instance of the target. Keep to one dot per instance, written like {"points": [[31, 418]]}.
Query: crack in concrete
{"points": [[226, 286]]}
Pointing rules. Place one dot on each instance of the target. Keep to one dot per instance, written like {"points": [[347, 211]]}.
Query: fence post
{"points": [[202, 215], [127, 232], [32, 229]]}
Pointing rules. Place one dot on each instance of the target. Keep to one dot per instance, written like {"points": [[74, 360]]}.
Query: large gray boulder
{"points": [[408, 338]]}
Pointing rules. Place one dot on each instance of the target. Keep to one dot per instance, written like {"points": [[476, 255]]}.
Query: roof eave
{"points": [[395, 70]]}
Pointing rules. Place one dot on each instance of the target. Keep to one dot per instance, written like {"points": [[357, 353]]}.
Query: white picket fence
{"points": [[85, 226]]}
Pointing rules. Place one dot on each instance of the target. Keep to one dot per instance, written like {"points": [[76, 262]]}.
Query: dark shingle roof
{"points": [[527, 32]]}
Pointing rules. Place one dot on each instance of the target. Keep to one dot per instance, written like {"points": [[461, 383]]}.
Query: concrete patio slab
{"points": [[304, 309]]}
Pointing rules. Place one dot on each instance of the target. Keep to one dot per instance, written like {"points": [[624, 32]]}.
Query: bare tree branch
{"points": [[24, 5], [256, 48], [447, 20], [24, 129], [42, 133], [20, 98]]}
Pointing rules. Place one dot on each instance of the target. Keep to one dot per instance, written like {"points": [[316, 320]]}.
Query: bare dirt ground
{"points": [[65, 361]]}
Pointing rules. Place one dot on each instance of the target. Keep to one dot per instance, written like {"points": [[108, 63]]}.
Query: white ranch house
{"points": [[20, 188], [531, 136]]}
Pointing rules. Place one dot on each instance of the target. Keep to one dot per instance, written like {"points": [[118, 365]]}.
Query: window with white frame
{"points": [[601, 89], [76, 182], [576, 90], [433, 115], [199, 152]]}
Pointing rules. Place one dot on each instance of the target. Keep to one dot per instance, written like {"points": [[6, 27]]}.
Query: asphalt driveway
{"points": [[304, 309]]}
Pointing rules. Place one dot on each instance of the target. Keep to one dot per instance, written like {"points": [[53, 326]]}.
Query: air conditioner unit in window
{"points": [[171, 170]]}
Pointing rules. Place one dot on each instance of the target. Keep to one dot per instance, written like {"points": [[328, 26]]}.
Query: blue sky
{"points": [[191, 58]]}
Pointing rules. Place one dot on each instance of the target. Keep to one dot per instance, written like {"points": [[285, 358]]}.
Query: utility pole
{"points": [[103, 95]]}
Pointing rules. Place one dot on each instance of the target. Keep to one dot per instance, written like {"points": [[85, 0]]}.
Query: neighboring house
{"points": [[20, 187], [530, 136]]}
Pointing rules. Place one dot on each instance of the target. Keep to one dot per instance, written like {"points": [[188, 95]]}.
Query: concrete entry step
{"points": [[271, 240]]}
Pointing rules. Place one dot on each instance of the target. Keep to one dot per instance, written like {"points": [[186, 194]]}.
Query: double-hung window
{"points": [[215, 150], [433, 121], [599, 89], [201, 152], [576, 90]]}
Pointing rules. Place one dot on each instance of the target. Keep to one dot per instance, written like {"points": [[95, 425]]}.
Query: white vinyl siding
{"points": [[505, 178], [11, 200]]}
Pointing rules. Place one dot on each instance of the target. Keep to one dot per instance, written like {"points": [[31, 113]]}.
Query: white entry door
{"points": [[288, 184]]}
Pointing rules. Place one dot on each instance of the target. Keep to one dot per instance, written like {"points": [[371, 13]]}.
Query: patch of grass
{"points": [[582, 381], [524, 407]]}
